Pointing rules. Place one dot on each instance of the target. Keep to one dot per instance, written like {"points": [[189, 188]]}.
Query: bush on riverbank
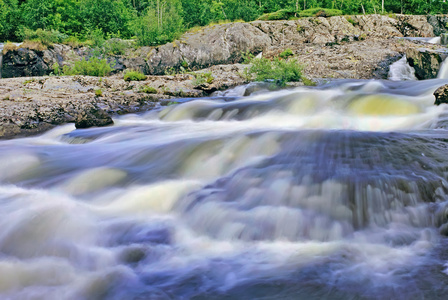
{"points": [[93, 67], [320, 12], [133, 75], [278, 70]]}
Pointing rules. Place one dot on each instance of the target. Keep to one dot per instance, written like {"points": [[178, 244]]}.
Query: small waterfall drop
{"points": [[401, 71], [443, 71]]}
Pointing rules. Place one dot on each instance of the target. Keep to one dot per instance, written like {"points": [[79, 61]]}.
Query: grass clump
{"points": [[148, 89], [98, 93], [134, 75], [308, 82], [35, 45], [201, 78], [115, 46], [282, 14], [287, 53], [93, 67], [9, 47], [278, 70], [320, 12]]}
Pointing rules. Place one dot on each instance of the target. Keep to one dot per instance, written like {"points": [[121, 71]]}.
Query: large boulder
{"points": [[441, 95], [25, 62], [439, 24], [414, 26], [426, 62], [219, 44]]}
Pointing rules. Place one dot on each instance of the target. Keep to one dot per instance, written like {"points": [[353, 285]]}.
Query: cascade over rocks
{"points": [[425, 61], [351, 47]]}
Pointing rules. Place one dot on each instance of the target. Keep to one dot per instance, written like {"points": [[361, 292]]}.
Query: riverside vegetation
{"points": [[154, 22]]}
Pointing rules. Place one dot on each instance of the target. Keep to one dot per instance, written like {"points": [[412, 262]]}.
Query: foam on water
{"points": [[401, 70]]}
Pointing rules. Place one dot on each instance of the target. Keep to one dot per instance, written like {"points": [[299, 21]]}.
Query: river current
{"points": [[332, 192]]}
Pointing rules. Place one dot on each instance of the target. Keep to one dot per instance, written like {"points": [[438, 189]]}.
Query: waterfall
{"points": [[401, 70], [443, 71]]}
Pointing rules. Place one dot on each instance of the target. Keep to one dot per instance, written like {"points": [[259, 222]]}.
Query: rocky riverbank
{"points": [[356, 47]]}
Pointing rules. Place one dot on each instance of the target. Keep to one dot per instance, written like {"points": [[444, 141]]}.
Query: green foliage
{"points": [[98, 93], [92, 67], [56, 69], [115, 46], [320, 12], [46, 37], [201, 78], [154, 22], [247, 57], [307, 82], [159, 24], [287, 53], [283, 14], [280, 71], [134, 76], [147, 89], [9, 19]]}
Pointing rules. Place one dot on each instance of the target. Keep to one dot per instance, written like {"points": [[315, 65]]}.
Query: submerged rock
{"points": [[441, 95]]}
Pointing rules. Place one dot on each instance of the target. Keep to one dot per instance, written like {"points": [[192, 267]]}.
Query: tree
{"points": [[161, 23]]}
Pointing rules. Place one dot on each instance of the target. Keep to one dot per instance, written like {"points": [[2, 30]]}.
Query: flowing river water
{"points": [[333, 192]]}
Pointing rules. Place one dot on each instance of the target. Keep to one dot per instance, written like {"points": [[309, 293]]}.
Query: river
{"points": [[332, 192]]}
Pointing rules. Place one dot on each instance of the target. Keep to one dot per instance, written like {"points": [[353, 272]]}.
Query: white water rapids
{"points": [[335, 192]]}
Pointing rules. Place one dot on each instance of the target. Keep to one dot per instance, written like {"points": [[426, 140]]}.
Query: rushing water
{"points": [[336, 192], [401, 70]]}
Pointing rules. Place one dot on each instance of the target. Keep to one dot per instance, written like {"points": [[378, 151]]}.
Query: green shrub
{"points": [[351, 21], [148, 89], [133, 75], [281, 71], [201, 78], [56, 69], [75, 42], [115, 46], [98, 93], [287, 53], [92, 67], [247, 57], [46, 37], [320, 12], [282, 14]]}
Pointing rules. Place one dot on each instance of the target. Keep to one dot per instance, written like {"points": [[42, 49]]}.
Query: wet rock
{"points": [[438, 24], [425, 61], [441, 95], [93, 116]]}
